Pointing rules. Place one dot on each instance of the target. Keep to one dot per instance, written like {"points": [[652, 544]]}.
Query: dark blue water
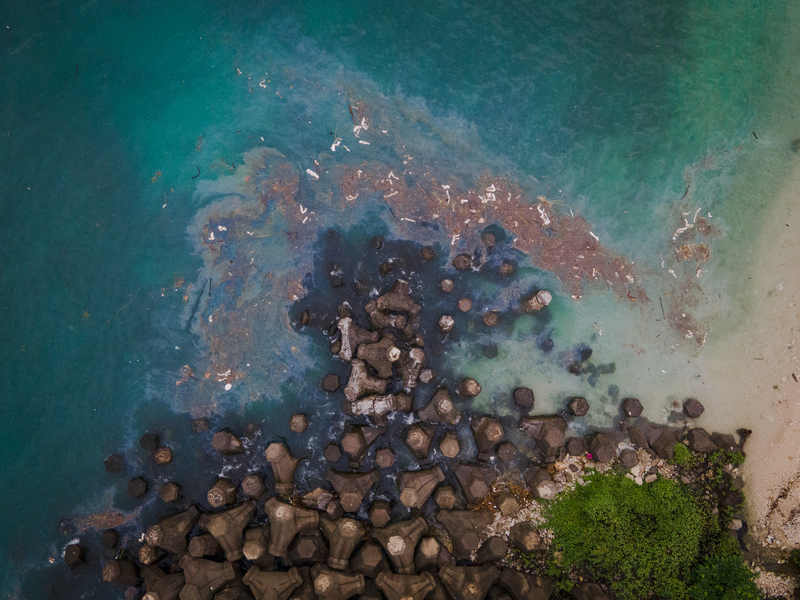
{"points": [[125, 134]]}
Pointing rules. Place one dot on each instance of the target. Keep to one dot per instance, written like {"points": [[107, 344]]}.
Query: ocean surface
{"points": [[229, 156]]}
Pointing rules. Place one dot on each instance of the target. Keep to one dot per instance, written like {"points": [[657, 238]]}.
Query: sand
{"points": [[749, 374]]}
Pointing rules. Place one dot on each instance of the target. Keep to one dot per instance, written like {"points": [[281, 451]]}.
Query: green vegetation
{"points": [[643, 540]]}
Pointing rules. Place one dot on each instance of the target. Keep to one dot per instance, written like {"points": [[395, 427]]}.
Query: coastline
{"points": [[752, 368]]}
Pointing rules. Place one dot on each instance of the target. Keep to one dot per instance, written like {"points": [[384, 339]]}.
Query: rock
{"points": [[491, 318], [575, 446], [307, 549], [114, 463], [357, 440], [170, 492], [445, 497], [431, 554], [628, 458], [163, 455], [464, 304], [469, 388], [638, 437], [692, 408], [440, 409], [287, 521], [426, 375], [448, 444], [493, 549], [699, 440], [283, 467], [465, 528], [476, 481], [507, 503], [298, 423], [222, 494], [170, 533], [428, 253], [110, 539], [352, 487], [418, 438], [343, 537], [330, 383], [537, 302], [149, 442], [123, 572], [384, 458], [381, 355], [333, 585], [578, 406], [589, 591], [525, 587], [380, 513], [398, 299], [227, 527], [462, 262], [469, 583], [253, 487], [399, 540], [272, 585], [446, 285], [523, 397], [74, 556], [409, 366], [405, 587], [725, 441], [603, 447], [369, 561], [332, 452], [525, 537], [137, 487], [631, 407], [650, 478], [446, 323], [203, 545], [662, 440], [506, 452], [351, 336], [487, 432], [417, 486], [226, 443]]}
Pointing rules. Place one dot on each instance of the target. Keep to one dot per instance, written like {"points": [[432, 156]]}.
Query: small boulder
{"points": [[74, 556], [628, 458], [631, 407], [170, 492], [523, 397], [330, 383], [699, 440], [226, 443], [149, 442], [578, 406], [462, 262], [576, 446], [692, 408], [114, 464], [137, 487], [298, 423]]}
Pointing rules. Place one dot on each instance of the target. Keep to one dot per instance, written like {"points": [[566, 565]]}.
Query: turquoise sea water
{"points": [[128, 128]]}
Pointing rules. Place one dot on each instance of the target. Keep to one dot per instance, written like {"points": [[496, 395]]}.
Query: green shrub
{"points": [[795, 558], [643, 539], [684, 457], [723, 577]]}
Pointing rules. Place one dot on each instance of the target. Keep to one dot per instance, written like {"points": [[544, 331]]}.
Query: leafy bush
{"points": [[684, 457], [723, 577], [643, 539]]}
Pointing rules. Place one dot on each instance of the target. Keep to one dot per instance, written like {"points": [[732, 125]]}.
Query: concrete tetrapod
{"points": [[369, 561], [283, 466], [400, 540], [440, 409], [352, 336], [286, 521], [465, 528], [122, 572], [222, 494], [255, 547], [305, 591], [204, 577], [418, 439], [405, 587], [468, 583], [417, 486], [272, 585], [361, 382], [398, 299], [227, 527], [476, 481], [352, 486], [525, 587], [381, 356], [357, 440], [343, 537], [409, 366], [335, 585], [431, 553], [170, 533], [160, 586], [487, 432], [307, 549]]}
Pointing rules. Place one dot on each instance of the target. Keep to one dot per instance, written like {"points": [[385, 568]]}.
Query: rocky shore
{"points": [[467, 520]]}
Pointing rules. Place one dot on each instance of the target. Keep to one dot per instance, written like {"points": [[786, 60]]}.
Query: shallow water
{"points": [[129, 133]]}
